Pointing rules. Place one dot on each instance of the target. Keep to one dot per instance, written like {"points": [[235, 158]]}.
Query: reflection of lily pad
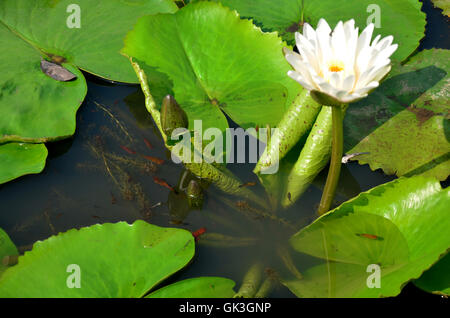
{"points": [[245, 78], [400, 226], [402, 19], [115, 260], [18, 159], [405, 124]]}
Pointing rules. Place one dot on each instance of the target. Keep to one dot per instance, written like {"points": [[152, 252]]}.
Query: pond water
{"points": [[102, 175]]}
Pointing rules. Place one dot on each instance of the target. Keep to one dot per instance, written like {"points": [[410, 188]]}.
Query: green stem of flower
{"points": [[335, 162]]}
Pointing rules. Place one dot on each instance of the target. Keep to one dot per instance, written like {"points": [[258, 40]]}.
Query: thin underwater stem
{"points": [[335, 162]]}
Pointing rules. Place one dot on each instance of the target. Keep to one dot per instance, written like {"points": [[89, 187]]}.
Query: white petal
{"points": [[375, 41], [367, 88], [348, 83], [338, 41], [323, 26], [297, 77], [327, 88], [301, 67], [384, 43], [380, 73], [364, 39], [307, 51], [309, 32], [336, 79], [353, 97]]}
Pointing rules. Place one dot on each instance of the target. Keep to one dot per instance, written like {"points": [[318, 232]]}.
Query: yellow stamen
{"points": [[335, 68]]}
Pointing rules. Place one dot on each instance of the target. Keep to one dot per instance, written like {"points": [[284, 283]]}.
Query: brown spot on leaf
{"points": [[294, 27], [422, 114]]}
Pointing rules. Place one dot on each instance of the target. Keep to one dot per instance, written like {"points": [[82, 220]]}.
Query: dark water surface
{"points": [[91, 179]]}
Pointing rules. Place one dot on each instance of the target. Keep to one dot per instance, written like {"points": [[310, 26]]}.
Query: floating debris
{"points": [[56, 71]]}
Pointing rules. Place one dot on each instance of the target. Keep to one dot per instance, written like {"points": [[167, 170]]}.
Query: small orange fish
{"points": [[370, 236], [247, 184], [148, 144], [163, 183], [154, 159], [132, 152], [198, 233]]}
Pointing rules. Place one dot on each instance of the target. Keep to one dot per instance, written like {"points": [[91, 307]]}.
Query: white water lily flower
{"points": [[340, 64]]}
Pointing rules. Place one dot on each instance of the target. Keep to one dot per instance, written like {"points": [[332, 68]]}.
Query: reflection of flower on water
{"points": [[340, 63]]}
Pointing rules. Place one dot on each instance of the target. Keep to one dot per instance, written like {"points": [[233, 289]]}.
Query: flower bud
{"points": [[194, 194], [172, 116]]}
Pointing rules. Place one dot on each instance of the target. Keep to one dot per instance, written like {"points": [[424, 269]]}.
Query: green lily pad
{"points": [[114, 260], [400, 226], [200, 287], [7, 248], [444, 5], [33, 106], [402, 19], [18, 159], [94, 46], [404, 124], [241, 72], [436, 280]]}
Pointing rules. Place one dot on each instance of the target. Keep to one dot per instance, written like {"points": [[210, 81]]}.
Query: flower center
{"points": [[335, 68]]}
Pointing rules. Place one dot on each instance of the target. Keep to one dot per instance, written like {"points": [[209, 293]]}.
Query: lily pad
{"points": [[201, 287], [114, 260], [402, 19], [18, 159], [240, 71], [436, 280], [399, 226], [52, 27], [33, 106], [7, 248], [404, 124]]}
